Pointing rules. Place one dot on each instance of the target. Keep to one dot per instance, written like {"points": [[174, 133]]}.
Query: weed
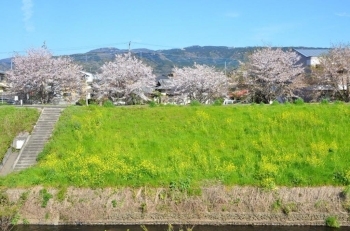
{"points": [[290, 207], [268, 184], [114, 203], [61, 194], [143, 207], [346, 193], [332, 221], [277, 205], [342, 177], [320, 204], [8, 212], [23, 198], [45, 197], [25, 221], [182, 185]]}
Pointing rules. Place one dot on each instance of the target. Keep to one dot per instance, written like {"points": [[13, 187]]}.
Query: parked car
{"points": [[12, 101]]}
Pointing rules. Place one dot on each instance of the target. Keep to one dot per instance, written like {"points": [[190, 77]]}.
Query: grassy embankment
{"points": [[262, 145], [13, 121]]}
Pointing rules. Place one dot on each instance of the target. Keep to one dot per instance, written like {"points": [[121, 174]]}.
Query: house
{"points": [[3, 87], [165, 85], [311, 57], [3, 84], [2, 76], [89, 77]]}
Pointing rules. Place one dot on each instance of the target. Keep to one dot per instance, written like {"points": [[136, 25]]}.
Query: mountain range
{"points": [[162, 61]]}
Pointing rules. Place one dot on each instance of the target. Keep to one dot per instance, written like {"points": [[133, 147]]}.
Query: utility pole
{"points": [[225, 67], [129, 46]]}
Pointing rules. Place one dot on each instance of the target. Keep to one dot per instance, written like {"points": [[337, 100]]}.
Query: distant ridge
{"points": [[163, 61]]}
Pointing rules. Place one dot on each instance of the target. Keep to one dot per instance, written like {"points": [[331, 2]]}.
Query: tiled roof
{"points": [[312, 52], [166, 84]]}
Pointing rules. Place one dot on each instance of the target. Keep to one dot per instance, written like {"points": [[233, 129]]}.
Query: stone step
{"points": [[40, 135], [28, 158]]}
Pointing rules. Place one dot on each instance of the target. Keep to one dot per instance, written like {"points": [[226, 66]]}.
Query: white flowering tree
{"points": [[41, 76], [200, 82], [335, 71], [126, 77], [271, 72]]}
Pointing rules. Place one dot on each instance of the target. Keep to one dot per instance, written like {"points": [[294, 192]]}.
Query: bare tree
{"points": [[334, 71], [125, 77], [38, 75], [200, 82], [271, 72]]}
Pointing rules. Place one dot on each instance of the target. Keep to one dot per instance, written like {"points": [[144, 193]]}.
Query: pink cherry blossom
{"points": [[41, 76], [200, 82], [125, 77]]}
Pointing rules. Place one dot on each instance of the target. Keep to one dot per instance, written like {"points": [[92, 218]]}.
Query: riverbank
{"points": [[214, 205]]}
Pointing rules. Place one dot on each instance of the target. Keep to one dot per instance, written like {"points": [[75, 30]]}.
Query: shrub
{"points": [[332, 221], [108, 103], [195, 103], [299, 101], [275, 102], [152, 104], [338, 102], [324, 101], [218, 102], [81, 102]]}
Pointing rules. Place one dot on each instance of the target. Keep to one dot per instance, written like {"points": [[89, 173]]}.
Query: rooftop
{"points": [[312, 52]]}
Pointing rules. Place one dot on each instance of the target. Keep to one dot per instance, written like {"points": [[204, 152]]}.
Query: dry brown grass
{"points": [[217, 204]]}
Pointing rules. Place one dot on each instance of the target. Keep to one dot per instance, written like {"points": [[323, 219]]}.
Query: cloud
{"points": [[27, 10], [343, 14]]}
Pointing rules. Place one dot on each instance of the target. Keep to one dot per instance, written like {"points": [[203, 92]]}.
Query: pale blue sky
{"points": [[77, 26]]}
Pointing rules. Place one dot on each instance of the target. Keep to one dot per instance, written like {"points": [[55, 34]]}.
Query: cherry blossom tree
{"points": [[271, 73], [126, 77], [334, 71], [200, 82], [39, 75]]}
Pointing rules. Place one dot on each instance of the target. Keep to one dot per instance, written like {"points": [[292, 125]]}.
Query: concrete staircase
{"points": [[40, 135]]}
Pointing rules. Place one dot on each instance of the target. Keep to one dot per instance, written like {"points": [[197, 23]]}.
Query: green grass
{"points": [[262, 145], [13, 121]]}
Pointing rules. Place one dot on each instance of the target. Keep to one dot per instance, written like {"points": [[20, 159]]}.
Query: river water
{"points": [[176, 228]]}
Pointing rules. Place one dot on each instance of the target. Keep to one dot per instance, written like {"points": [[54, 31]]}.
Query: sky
{"points": [[77, 26]]}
